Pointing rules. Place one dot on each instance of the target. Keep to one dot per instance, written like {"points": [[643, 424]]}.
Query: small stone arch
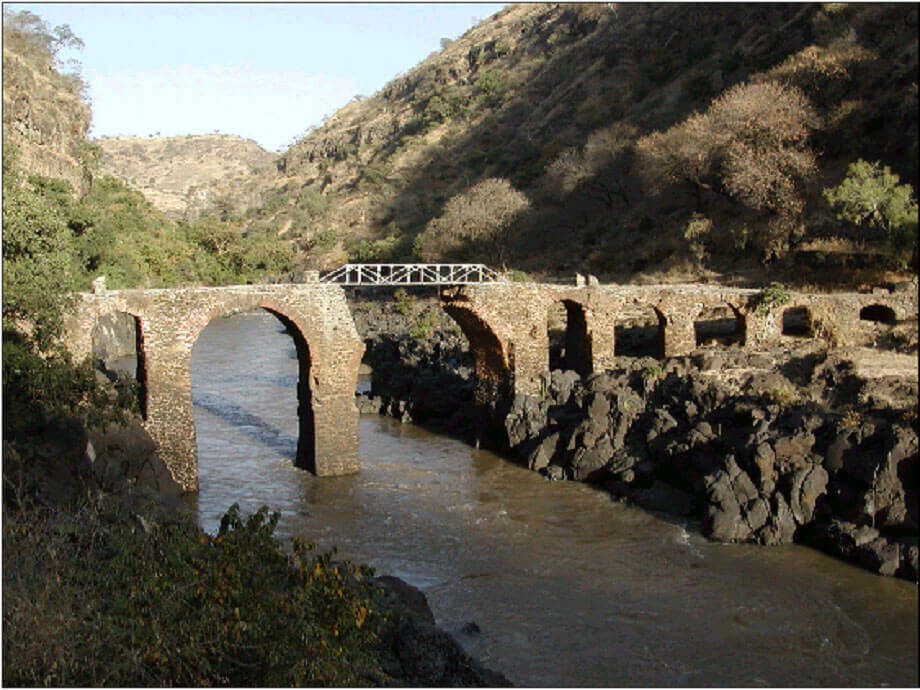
{"points": [[797, 321], [720, 323], [639, 331], [878, 313], [306, 437], [493, 366], [117, 349], [569, 347]]}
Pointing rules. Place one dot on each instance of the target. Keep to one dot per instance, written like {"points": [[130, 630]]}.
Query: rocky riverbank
{"points": [[800, 443]]}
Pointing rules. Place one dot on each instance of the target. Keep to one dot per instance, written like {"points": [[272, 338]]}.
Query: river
{"points": [[567, 588]]}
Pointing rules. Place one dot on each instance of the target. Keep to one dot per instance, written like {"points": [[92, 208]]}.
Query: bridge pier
{"points": [[328, 347]]}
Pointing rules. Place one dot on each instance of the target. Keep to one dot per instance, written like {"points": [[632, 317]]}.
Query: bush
{"points": [[752, 144], [476, 224], [37, 248], [770, 297], [870, 198], [110, 599]]}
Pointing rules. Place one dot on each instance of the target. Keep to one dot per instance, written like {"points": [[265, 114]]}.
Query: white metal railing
{"points": [[411, 274]]}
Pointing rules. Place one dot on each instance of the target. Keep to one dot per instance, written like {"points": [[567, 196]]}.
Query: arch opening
{"points": [[494, 378], [878, 313], [639, 332], [569, 341], [251, 394], [797, 322], [719, 324], [118, 352]]}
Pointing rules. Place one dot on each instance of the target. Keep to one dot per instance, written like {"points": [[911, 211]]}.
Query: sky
{"points": [[263, 71]]}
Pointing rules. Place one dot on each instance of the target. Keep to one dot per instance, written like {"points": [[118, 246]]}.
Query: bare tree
{"points": [[751, 144], [590, 164], [477, 224]]}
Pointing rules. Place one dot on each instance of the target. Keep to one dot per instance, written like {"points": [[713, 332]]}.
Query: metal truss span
{"points": [[411, 274]]}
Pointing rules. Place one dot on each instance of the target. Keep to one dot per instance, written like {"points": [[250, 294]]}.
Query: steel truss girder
{"points": [[411, 274]]}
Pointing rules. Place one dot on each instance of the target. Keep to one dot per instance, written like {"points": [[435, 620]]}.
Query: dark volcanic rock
{"points": [[416, 652]]}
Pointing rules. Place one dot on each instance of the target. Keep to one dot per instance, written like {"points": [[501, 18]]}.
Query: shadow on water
{"points": [[245, 422]]}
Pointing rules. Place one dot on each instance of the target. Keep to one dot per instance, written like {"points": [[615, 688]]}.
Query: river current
{"points": [[567, 588]]}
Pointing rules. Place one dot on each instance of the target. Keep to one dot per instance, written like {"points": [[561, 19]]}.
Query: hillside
{"points": [[587, 112], [637, 142], [182, 176], [45, 116]]}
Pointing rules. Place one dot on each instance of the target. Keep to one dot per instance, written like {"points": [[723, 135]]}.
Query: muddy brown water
{"points": [[566, 587]]}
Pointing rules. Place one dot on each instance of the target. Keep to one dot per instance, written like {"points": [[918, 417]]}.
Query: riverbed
{"points": [[565, 587]]}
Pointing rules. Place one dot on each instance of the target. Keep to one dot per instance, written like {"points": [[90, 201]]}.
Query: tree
{"points": [[592, 165], [36, 251], [751, 144], [30, 35], [870, 198], [475, 224]]}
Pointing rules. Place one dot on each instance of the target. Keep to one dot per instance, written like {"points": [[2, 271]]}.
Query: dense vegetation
{"points": [[56, 239], [102, 598]]}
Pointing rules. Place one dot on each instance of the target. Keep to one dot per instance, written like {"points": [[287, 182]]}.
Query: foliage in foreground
{"points": [[105, 599]]}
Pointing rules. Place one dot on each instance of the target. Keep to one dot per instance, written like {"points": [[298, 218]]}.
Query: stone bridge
{"points": [[169, 322], [506, 325]]}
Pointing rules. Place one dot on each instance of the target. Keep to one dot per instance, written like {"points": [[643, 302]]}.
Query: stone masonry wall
{"points": [[516, 315], [170, 322]]}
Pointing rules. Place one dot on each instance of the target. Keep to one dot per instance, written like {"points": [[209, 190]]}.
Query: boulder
{"points": [[543, 453], [415, 652], [807, 486], [880, 556]]}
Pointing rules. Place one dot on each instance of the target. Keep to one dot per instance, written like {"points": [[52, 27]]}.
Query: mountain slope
{"points": [[557, 98], [184, 175], [45, 114]]}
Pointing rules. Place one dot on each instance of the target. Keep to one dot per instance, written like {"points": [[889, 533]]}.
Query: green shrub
{"points": [[422, 327], [783, 395], [770, 297], [113, 600], [403, 301], [325, 239], [870, 198], [491, 86]]}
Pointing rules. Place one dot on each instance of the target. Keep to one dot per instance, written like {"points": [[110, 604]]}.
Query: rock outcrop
{"points": [[752, 455]]}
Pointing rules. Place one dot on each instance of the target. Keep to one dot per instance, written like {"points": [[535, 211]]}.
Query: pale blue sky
{"points": [[265, 71]]}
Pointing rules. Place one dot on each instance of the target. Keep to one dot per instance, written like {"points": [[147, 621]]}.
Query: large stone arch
{"points": [[492, 362], [126, 339], [298, 328], [171, 320], [577, 339]]}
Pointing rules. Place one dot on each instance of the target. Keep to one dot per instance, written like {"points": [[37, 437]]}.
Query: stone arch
{"points": [[878, 313], [797, 321], [722, 323], [493, 365], [306, 382], [570, 347], [117, 348], [640, 331]]}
